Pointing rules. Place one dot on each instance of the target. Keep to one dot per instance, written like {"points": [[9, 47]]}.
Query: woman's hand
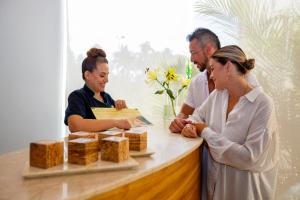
{"points": [[200, 127], [189, 131], [122, 124], [178, 124], [120, 104]]}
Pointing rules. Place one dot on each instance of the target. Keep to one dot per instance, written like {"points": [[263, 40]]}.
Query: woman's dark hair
{"points": [[94, 56], [236, 55]]}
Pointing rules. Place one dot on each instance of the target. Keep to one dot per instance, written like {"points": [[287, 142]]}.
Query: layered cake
{"points": [[46, 153], [83, 151], [115, 149], [137, 139]]}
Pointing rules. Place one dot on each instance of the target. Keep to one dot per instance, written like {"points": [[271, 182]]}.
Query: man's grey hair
{"points": [[205, 36]]}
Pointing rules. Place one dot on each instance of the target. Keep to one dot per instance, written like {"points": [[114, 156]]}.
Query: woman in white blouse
{"points": [[238, 123]]}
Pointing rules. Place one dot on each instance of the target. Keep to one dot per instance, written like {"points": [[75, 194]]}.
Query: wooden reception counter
{"points": [[173, 172]]}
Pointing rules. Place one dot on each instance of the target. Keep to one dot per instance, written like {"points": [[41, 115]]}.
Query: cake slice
{"points": [[115, 149], [46, 153], [83, 151]]}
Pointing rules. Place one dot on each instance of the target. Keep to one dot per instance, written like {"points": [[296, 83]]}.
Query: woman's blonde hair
{"points": [[236, 55]]}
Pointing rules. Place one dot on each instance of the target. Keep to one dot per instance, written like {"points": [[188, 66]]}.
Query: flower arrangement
{"points": [[167, 80]]}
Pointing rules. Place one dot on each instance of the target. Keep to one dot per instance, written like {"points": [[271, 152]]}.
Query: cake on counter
{"points": [[115, 149], [83, 151], [137, 139], [46, 153]]}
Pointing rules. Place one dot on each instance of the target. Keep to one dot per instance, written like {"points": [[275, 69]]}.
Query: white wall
{"points": [[31, 72]]}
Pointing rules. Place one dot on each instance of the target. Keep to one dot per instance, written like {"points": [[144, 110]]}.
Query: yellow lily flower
{"points": [[170, 74], [152, 75]]}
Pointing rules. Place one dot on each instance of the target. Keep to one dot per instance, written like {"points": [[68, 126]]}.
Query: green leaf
{"points": [[159, 92], [170, 93], [179, 91]]}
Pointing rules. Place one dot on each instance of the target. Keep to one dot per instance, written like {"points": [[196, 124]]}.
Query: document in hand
{"points": [[133, 115]]}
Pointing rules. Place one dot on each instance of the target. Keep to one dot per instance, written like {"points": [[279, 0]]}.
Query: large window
{"points": [[135, 35]]}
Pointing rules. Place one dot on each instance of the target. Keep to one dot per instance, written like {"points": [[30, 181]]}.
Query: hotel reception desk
{"points": [[172, 172]]}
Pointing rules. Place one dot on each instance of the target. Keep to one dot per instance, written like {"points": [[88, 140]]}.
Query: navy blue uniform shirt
{"points": [[80, 103]]}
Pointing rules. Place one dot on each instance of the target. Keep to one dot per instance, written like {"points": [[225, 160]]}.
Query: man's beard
{"points": [[203, 65]]}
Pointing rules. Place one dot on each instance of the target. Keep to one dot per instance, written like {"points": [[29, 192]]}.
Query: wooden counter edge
{"points": [[100, 194]]}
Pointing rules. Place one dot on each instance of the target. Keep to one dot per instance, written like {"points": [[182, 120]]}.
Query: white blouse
{"points": [[243, 150]]}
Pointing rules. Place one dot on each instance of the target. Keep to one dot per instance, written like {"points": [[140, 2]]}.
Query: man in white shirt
{"points": [[202, 44]]}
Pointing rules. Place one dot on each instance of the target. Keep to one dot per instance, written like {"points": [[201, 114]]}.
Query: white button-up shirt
{"points": [[198, 90], [243, 150]]}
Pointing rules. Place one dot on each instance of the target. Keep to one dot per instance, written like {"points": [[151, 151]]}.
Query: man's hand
{"points": [[189, 131], [178, 124], [120, 104]]}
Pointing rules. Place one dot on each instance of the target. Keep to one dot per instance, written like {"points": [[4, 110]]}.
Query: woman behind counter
{"points": [[238, 123], [79, 116]]}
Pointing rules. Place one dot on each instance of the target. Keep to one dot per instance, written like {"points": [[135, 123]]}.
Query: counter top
{"points": [[168, 148]]}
